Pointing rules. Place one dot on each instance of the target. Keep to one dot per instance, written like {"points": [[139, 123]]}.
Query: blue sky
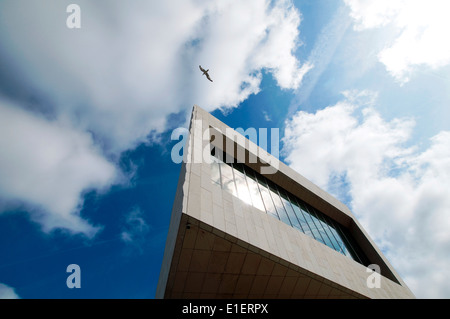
{"points": [[358, 90]]}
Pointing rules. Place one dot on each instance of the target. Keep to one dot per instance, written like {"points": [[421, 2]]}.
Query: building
{"points": [[255, 228]]}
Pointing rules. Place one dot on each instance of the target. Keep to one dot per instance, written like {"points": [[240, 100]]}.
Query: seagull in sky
{"points": [[205, 72]]}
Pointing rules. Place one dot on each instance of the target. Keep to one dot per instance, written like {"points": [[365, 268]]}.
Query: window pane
{"points": [[322, 227], [226, 170], [278, 204], [352, 247], [310, 221], [227, 178], [254, 191], [241, 184], [336, 238], [215, 171], [337, 242], [289, 210], [270, 208], [301, 218]]}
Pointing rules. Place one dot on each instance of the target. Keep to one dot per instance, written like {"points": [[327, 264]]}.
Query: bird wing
{"points": [[207, 76], [201, 69]]}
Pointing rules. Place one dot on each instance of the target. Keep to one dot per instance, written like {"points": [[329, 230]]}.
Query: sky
{"points": [[358, 89]]}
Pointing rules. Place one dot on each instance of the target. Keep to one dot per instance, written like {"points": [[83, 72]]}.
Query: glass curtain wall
{"points": [[255, 190]]}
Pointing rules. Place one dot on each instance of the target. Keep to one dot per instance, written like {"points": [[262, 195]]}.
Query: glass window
{"points": [[322, 227], [278, 204], [254, 191], [215, 170], [241, 185], [227, 178], [336, 238], [301, 218], [289, 210], [310, 220], [352, 247], [268, 203]]}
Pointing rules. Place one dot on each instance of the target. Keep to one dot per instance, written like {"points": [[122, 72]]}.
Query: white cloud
{"points": [[400, 194], [321, 55], [135, 228], [118, 78], [134, 224], [372, 14], [421, 28], [136, 64], [266, 116], [47, 165], [6, 292], [237, 40]]}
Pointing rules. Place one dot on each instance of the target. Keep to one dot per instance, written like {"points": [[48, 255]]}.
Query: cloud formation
{"points": [[45, 165], [89, 94], [7, 292], [135, 228], [421, 29], [399, 193]]}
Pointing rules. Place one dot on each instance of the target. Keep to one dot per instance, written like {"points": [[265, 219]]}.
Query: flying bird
{"points": [[205, 72]]}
